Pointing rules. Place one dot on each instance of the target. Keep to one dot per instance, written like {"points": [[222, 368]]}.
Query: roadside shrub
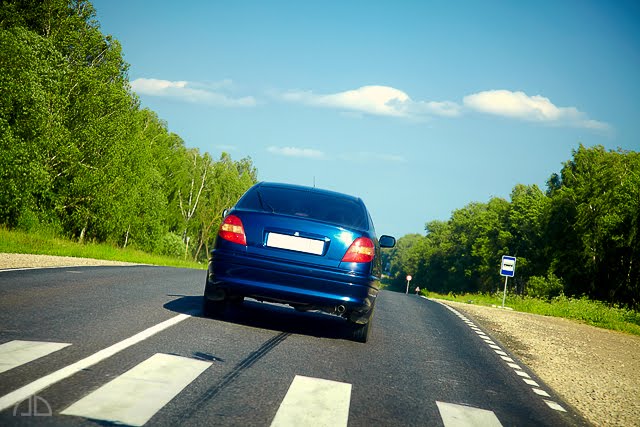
{"points": [[171, 245], [40, 224], [28, 221], [545, 287]]}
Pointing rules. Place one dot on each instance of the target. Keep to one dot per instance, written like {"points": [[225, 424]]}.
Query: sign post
{"points": [[507, 269], [408, 280]]}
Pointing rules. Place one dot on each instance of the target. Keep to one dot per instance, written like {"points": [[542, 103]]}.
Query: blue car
{"points": [[309, 248]]}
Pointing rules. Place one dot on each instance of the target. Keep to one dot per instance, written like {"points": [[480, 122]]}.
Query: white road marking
{"points": [[466, 416], [540, 392], [314, 402], [16, 353], [30, 389], [510, 362], [135, 396], [554, 405]]}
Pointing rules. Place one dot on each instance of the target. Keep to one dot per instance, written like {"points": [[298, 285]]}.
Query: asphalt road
{"points": [[133, 348]]}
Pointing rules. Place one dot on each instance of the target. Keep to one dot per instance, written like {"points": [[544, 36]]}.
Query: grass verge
{"points": [[18, 242], [591, 312]]}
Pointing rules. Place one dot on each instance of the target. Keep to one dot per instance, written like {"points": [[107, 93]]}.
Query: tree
{"points": [[79, 155], [229, 180], [527, 222], [595, 207], [581, 238], [30, 123]]}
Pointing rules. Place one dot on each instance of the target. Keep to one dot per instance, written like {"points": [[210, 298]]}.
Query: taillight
{"points": [[232, 230], [361, 250]]}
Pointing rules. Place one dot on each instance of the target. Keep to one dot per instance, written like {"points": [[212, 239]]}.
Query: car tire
{"points": [[360, 332]]}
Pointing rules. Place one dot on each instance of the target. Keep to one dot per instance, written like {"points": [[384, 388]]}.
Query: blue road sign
{"points": [[508, 266]]}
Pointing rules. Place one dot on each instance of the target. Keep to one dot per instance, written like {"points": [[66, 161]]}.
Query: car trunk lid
{"points": [[295, 239]]}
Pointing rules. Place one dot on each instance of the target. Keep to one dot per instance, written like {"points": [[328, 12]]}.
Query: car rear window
{"points": [[315, 205]]}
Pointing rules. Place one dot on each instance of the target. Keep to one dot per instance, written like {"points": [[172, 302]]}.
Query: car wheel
{"points": [[360, 332]]}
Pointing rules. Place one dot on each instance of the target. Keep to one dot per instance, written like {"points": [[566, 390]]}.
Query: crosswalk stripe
{"points": [[314, 402], [32, 388], [17, 352], [135, 396], [466, 416]]}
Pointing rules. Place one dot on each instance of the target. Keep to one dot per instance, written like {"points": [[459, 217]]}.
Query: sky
{"points": [[417, 107]]}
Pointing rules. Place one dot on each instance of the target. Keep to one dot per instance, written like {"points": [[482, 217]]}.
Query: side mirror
{"points": [[387, 241]]}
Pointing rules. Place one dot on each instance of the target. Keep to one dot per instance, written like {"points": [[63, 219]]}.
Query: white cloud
{"points": [[536, 108], [382, 100], [395, 158], [297, 152], [388, 101], [442, 108], [197, 93], [594, 124], [376, 100]]}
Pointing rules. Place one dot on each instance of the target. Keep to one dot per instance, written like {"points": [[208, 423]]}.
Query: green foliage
{"points": [[14, 241], [596, 221], [79, 158], [171, 245], [581, 237], [582, 309], [28, 221], [545, 287]]}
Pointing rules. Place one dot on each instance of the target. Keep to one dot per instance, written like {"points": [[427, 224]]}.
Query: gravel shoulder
{"points": [[595, 370], [13, 261]]}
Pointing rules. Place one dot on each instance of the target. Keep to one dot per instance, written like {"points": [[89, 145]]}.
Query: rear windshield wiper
{"points": [[263, 203]]}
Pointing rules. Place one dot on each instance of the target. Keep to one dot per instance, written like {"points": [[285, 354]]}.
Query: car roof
{"points": [[310, 189]]}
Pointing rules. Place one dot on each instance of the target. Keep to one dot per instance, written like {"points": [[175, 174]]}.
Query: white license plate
{"points": [[295, 243]]}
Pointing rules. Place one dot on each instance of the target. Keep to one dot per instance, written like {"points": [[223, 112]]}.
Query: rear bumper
{"points": [[299, 285]]}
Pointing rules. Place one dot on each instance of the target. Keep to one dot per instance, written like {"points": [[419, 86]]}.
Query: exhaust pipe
{"points": [[341, 309]]}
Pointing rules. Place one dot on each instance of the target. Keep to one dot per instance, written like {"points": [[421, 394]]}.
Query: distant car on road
{"points": [[309, 248]]}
